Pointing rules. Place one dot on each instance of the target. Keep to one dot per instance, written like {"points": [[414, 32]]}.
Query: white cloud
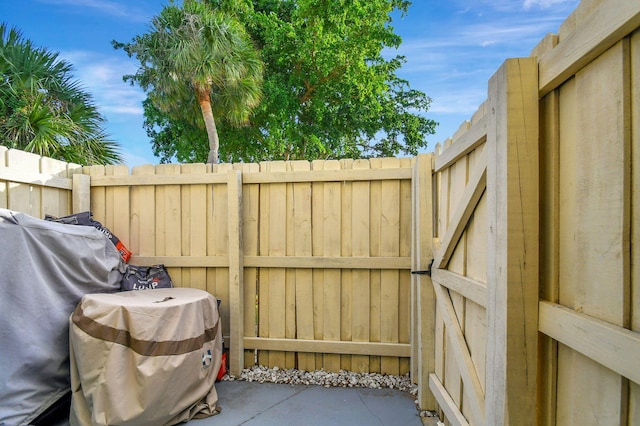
{"points": [[544, 4], [101, 76], [129, 11]]}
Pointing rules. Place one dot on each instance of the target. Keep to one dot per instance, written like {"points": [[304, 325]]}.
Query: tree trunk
{"points": [[204, 99]]}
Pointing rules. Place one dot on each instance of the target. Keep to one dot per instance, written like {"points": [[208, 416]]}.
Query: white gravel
{"points": [[345, 379]]}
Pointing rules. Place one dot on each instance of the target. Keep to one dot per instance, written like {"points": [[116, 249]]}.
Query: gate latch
{"points": [[427, 272]]}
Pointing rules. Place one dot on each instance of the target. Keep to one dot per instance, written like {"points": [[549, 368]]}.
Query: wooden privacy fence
{"points": [[311, 260], [536, 210], [38, 185]]}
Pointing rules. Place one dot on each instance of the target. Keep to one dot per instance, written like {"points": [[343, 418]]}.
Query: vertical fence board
{"points": [[236, 274], [458, 175], [389, 279], [346, 250], [120, 224], [277, 247], [549, 257], [512, 255], [475, 240], [375, 213], [81, 194], [218, 278], [143, 214], [54, 200], [98, 195], [332, 277], [290, 274], [360, 278], [170, 214], [304, 277], [24, 197], [404, 285], [317, 229], [423, 318], [593, 233], [250, 215], [194, 223], [634, 392]]}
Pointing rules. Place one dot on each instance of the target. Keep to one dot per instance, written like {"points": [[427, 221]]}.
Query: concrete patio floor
{"points": [[265, 404]]}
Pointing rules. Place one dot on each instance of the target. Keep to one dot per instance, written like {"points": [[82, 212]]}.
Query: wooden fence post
{"points": [[236, 273], [512, 252], [81, 193], [422, 296]]}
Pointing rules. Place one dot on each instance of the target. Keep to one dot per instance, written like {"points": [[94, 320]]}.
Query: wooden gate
{"points": [[485, 268]]}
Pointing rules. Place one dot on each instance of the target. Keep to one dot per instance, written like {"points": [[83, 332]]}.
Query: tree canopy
{"points": [[195, 56], [331, 88], [44, 110]]}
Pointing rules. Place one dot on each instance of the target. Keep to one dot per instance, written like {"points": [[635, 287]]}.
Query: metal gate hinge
{"points": [[427, 272]]}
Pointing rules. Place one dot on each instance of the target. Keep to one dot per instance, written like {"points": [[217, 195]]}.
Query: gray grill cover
{"points": [[45, 269]]}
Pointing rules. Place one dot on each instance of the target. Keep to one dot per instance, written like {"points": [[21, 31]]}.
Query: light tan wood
{"points": [[143, 214], [423, 318], [299, 262], [464, 209], [466, 287], [548, 42], [346, 279], [512, 252], [448, 405], [600, 126], [217, 239], [236, 273], [277, 217], [331, 175], [196, 222], [329, 262], [24, 197], [389, 279], [81, 193], [460, 353], [317, 246], [360, 284], [549, 257], [404, 288], [375, 224], [475, 320], [332, 347], [250, 217], [337, 175], [457, 187], [160, 179], [171, 239], [332, 277], [119, 221], [604, 27], [303, 277], [98, 195], [634, 391], [33, 177], [55, 201], [475, 136], [612, 346]]}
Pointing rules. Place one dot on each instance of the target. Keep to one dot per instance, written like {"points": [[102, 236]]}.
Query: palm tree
{"points": [[197, 56], [43, 110]]}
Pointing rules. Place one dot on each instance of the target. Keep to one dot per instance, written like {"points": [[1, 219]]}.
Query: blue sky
{"points": [[452, 48]]}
